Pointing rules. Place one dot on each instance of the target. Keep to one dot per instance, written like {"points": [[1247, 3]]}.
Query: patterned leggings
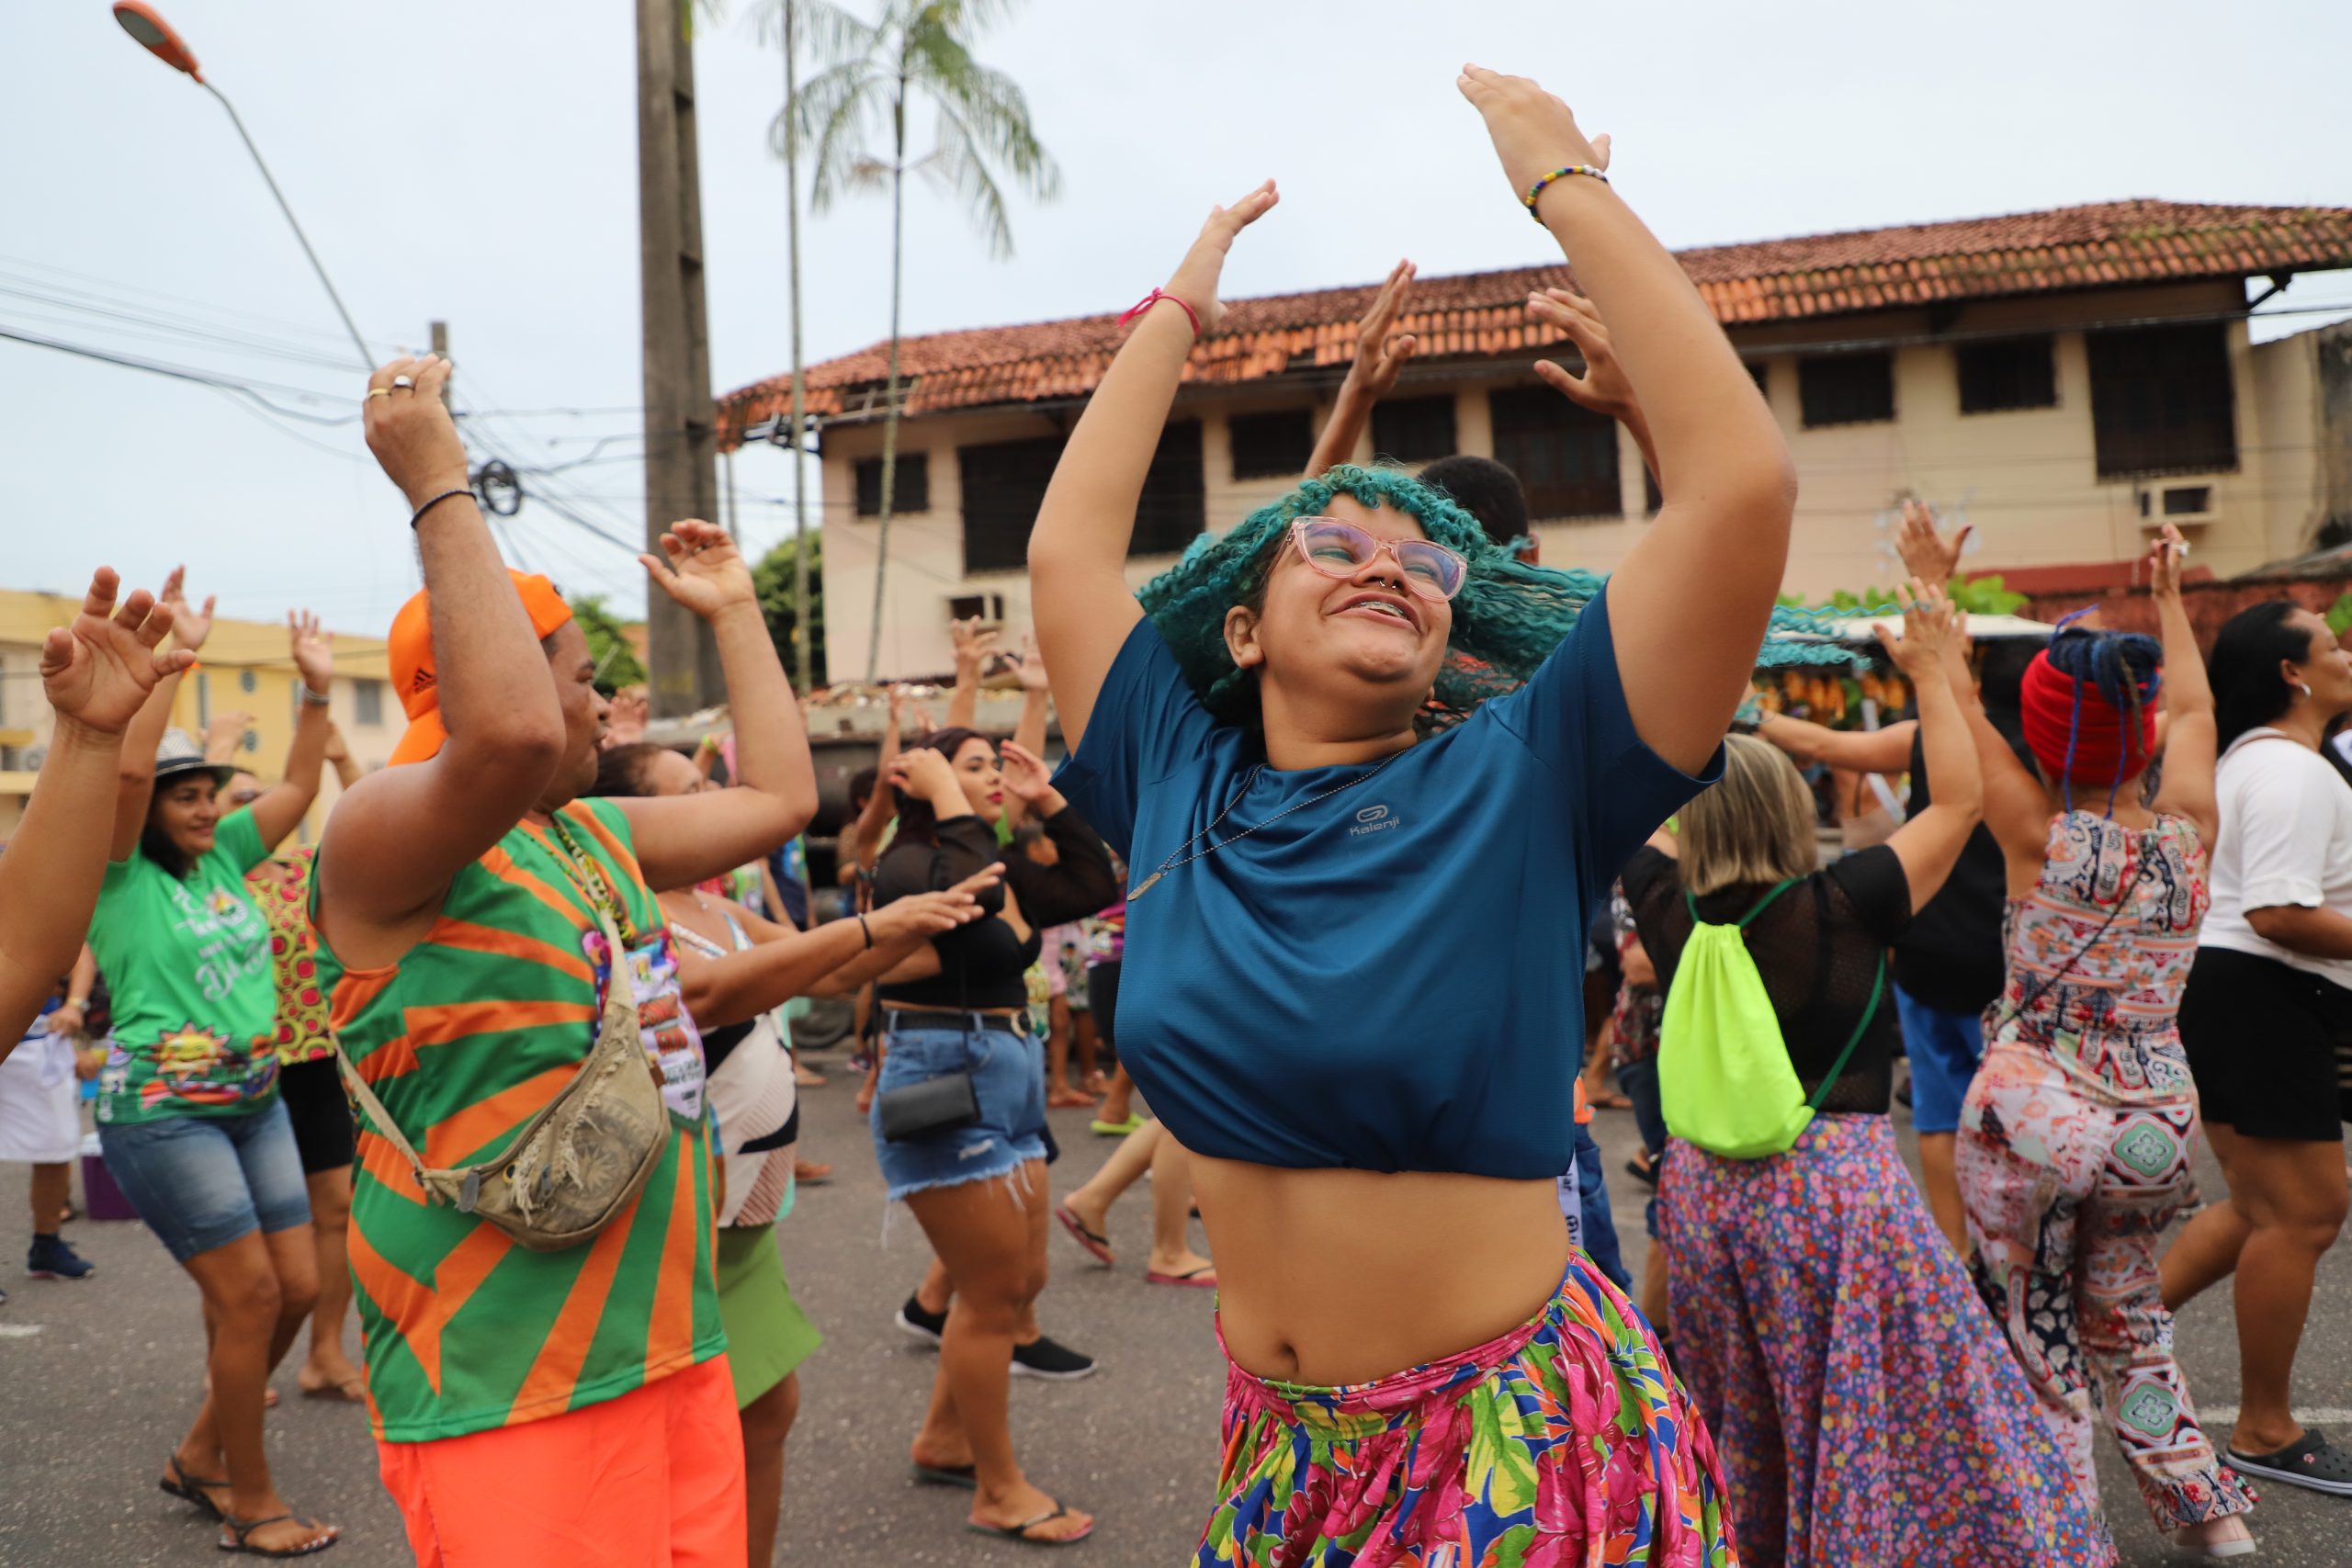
{"points": [[2067, 1194]]}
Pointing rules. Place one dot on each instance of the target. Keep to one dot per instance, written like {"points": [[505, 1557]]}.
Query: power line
{"points": [[246, 388]]}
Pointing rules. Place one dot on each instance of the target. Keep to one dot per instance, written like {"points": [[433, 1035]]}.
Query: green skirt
{"points": [[767, 1334]]}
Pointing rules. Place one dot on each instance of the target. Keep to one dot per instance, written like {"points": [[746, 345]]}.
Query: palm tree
{"points": [[918, 49], [838, 35]]}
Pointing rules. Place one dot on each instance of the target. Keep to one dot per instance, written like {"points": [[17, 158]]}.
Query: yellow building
{"points": [[2065, 380], [245, 668]]}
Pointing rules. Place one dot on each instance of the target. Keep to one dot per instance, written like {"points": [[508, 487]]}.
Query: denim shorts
{"points": [[1008, 1080], [202, 1181], [1944, 1048]]}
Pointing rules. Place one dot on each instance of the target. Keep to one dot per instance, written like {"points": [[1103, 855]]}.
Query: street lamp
{"points": [[155, 35]]}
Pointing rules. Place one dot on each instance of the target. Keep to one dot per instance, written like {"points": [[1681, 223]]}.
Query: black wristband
{"points": [[418, 515], [868, 930]]}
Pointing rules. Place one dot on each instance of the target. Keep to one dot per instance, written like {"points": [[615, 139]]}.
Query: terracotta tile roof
{"points": [[1480, 314]]}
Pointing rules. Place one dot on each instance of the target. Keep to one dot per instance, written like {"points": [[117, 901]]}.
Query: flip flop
{"points": [[1020, 1532], [1097, 1247], [963, 1475], [1190, 1280], [190, 1488], [809, 1173], [1102, 1129], [241, 1528]]}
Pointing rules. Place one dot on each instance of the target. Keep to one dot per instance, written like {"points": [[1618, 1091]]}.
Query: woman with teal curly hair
{"points": [[1507, 618], [1321, 738]]}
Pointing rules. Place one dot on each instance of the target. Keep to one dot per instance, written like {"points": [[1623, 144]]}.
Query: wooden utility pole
{"points": [[680, 424]]}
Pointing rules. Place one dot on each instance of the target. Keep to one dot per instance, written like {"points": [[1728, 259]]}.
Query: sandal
{"points": [[809, 1173], [192, 1488], [1102, 1129], [1191, 1279], [1097, 1247], [1020, 1532], [964, 1475], [241, 1528]]}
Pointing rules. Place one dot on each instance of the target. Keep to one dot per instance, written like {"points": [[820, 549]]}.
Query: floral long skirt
{"points": [[1566, 1443], [1866, 1407]]}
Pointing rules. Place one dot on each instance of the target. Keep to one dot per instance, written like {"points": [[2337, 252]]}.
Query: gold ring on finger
{"points": [[379, 391]]}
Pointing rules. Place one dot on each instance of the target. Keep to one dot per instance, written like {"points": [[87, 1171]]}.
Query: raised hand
{"points": [[314, 650], [705, 573], [225, 736], [624, 723], [1533, 132], [1195, 278], [1930, 624], [1025, 773], [414, 437], [1926, 553], [1380, 357], [975, 644], [189, 627], [2165, 556], [924, 772], [1603, 387], [1033, 665], [98, 672]]}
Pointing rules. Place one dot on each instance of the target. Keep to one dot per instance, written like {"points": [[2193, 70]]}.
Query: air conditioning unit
{"points": [[2188, 502]]}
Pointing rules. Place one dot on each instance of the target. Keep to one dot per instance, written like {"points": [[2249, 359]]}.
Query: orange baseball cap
{"points": [[410, 654]]}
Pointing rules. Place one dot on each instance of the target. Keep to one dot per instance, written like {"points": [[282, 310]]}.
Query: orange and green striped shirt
{"points": [[474, 1030]]}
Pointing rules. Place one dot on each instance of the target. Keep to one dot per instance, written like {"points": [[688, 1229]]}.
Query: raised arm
{"points": [[974, 649], [225, 736], [1928, 844], [1029, 733], [1603, 387], [1370, 378], [1689, 607], [1886, 750], [285, 803], [2191, 737], [681, 838], [2016, 807], [135, 769], [1078, 551], [1080, 882], [347, 772], [398, 836], [99, 674]]}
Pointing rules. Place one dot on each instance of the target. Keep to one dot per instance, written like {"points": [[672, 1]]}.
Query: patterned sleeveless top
{"points": [[476, 1028], [2110, 1016]]}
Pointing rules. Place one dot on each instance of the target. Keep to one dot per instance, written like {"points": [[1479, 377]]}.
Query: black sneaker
{"points": [[916, 1324], [2310, 1461], [51, 1258], [1050, 1360]]}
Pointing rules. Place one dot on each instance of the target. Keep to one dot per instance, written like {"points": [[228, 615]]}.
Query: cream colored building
{"points": [[245, 668], [2066, 381]]}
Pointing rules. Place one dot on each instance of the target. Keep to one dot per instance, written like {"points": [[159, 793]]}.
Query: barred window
{"points": [[910, 484], [2015, 373], [1846, 389], [1564, 455], [1271, 446], [1413, 430], [2162, 400]]}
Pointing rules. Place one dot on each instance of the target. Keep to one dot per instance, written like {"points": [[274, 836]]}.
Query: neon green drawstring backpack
{"points": [[1725, 1079]]}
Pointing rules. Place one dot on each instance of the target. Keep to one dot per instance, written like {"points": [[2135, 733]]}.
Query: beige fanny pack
{"points": [[581, 1159]]}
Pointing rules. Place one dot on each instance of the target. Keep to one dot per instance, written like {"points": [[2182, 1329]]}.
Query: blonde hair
{"points": [[1755, 827]]}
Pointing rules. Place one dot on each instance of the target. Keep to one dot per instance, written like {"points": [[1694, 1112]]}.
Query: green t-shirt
{"points": [[195, 1003]]}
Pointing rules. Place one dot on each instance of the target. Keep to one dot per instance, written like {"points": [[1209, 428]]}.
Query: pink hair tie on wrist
{"points": [[1154, 297]]}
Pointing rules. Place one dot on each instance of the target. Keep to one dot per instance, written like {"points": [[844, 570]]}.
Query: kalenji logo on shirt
{"points": [[1373, 819]]}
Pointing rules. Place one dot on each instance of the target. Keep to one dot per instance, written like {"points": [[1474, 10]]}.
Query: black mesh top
{"points": [[1817, 947]]}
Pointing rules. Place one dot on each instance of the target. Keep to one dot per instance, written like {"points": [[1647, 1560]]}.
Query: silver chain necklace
{"points": [[1173, 864]]}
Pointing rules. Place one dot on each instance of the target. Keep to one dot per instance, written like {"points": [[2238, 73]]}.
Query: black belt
{"points": [[934, 1018]]}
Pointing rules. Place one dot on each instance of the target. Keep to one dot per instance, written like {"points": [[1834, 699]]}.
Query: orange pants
{"points": [[653, 1479]]}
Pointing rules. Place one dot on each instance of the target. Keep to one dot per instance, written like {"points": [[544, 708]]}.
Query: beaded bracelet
{"points": [[1537, 188], [418, 515]]}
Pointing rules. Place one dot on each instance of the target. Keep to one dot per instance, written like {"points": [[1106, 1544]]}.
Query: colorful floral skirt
{"points": [[1867, 1407], [1565, 1442]]}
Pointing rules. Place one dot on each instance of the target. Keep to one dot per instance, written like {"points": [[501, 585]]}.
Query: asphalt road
{"points": [[97, 1380]]}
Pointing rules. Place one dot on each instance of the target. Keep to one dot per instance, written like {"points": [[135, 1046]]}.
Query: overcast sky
{"points": [[476, 161]]}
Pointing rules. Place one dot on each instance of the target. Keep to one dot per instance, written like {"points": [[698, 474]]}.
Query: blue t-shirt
{"points": [[1374, 982]]}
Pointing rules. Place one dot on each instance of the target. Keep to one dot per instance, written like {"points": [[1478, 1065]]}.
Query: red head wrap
{"points": [[2065, 715]]}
